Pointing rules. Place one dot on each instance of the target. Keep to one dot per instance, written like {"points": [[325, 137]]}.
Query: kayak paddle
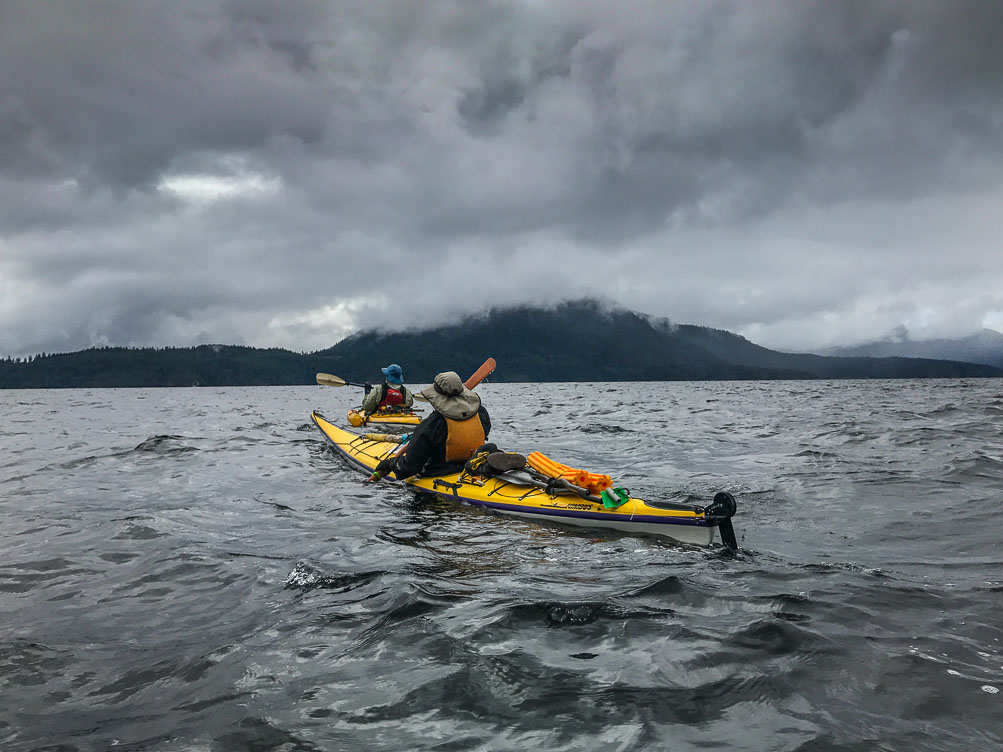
{"points": [[329, 379]]}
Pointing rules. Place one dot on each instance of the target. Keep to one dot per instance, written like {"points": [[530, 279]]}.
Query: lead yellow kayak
{"points": [[519, 495], [384, 418]]}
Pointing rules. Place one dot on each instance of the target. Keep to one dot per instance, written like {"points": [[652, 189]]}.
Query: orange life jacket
{"points": [[463, 438]]}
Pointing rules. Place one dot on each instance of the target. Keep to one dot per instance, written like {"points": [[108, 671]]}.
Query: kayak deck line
{"points": [[515, 495]]}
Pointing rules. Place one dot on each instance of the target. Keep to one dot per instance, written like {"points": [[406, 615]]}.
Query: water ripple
{"points": [[194, 569]]}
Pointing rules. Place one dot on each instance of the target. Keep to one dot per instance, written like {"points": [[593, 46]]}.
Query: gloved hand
{"points": [[368, 387], [386, 466]]}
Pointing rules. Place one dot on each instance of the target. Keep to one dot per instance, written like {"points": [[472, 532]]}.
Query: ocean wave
{"points": [[163, 444]]}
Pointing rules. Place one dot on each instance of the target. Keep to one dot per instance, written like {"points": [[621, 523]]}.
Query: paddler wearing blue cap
{"points": [[390, 394]]}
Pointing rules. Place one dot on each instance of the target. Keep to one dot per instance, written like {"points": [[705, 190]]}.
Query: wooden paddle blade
{"points": [[327, 379], [481, 373]]}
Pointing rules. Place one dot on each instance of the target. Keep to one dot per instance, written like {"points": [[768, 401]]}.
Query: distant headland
{"points": [[582, 340]]}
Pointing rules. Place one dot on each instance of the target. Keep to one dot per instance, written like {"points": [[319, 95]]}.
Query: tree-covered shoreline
{"points": [[577, 341]]}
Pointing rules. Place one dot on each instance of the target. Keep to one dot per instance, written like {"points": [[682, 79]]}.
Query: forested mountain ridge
{"points": [[575, 341]]}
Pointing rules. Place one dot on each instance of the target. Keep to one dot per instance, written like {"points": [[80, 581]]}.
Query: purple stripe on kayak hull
{"points": [[641, 519]]}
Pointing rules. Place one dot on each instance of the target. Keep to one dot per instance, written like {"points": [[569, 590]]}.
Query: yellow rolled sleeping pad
{"points": [[387, 437]]}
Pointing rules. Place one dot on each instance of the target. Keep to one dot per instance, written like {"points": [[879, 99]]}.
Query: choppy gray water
{"points": [[192, 569]]}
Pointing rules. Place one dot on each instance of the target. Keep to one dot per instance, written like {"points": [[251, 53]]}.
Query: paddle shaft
{"points": [[328, 379], [478, 376]]}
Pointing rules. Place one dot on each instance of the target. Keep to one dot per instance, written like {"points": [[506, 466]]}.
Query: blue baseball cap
{"points": [[394, 374]]}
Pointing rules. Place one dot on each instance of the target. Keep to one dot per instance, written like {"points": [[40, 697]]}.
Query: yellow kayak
{"points": [[385, 418], [520, 495]]}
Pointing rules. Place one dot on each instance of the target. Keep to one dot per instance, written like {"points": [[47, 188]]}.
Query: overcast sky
{"points": [[282, 174]]}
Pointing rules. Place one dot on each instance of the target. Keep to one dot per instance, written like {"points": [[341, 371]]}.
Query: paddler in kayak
{"points": [[458, 426], [390, 394]]}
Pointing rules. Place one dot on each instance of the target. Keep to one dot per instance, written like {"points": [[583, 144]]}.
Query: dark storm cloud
{"points": [[114, 92], [335, 140], [650, 106]]}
